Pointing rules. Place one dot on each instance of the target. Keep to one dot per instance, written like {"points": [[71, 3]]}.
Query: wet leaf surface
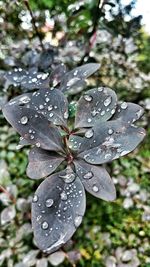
{"points": [[97, 104], [34, 127], [96, 180], [75, 78], [42, 163], [109, 140], [57, 210]]}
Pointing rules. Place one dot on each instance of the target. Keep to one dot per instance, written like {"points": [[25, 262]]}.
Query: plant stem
{"points": [[2, 189], [26, 2]]}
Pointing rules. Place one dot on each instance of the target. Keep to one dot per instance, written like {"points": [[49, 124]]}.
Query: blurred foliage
{"points": [[75, 32]]}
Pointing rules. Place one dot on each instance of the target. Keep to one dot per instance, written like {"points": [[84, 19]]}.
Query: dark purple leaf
{"points": [[128, 112], [75, 142], [33, 127], [42, 163], [109, 140], [96, 104], [96, 180], [74, 76], [57, 210], [57, 75], [28, 80], [52, 104]]}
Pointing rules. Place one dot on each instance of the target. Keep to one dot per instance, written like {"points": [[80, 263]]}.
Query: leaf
{"points": [[28, 80], [42, 163], [52, 104], [75, 76], [56, 258], [57, 210], [75, 142], [96, 180], [97, 104], [57, 75], [128, 112], [8, 214], [110, 140], [34, 127]]}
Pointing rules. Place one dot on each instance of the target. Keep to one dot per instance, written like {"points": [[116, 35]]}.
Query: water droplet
{"points": [[112, 111], [35, 198], [107, 156], [50, 108], [88, 175], [34, 80], [51, 115], [66, 115], [38, 144], [77, 220], [110, 131], [24, 120], [47, 99], [25, 99], [103, 112], [72, 81], [88, 98], [107, 101], [89, 133], [45, 225], [89, 120], [49, 202], [124, 105], [95, 188], [63, 196], [69, 177], [41, 106]]}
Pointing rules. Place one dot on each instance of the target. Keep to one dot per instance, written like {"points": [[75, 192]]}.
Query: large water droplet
{"points": [[66, 115], [110, 131], [24, 120], [95, 188], [49, 202], [45, 225], [107, 101], [77, 220], [41, 106], [88, 98], [88, 175], [124, 105], [63, 196], [25, 99], [35, 198], [89, 133]]}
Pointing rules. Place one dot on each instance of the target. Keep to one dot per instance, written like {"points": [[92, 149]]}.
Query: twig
{"points": [[26, 2], [2, 189], [92, 34]]}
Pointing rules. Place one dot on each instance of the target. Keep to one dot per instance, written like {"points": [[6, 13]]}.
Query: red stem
{"points": [[2, 189]]}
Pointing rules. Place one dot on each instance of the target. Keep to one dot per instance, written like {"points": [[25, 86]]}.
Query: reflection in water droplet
{"points": [[24, 120], [107, 101], [89, 133], [88, 98], [88, 175], [63, 196], [49, 202], [77, 220], [35, 198], [110, 131], [124, 105], [45, 225], [95, 188]]}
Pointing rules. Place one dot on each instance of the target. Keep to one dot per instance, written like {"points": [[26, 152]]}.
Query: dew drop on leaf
{"points": [[77, 220], [124, 105], [45, 225], [107, 101], [88, 175], [88, 98], [89, 133], [49, 202], [24, 120], [95, 188], [35, 198]]}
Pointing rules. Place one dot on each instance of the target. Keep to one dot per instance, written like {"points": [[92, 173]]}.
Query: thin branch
{"points": [[92, 34], [2, 189], [26, 2]]}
